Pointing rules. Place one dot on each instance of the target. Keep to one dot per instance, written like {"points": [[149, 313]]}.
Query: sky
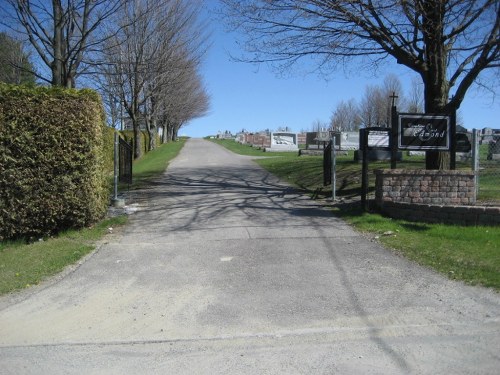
{"points": [[253, 97]]}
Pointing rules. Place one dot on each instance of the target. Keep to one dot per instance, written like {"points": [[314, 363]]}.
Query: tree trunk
{"points": [[436, 86], [137, 138], [57, 63], [151, 125], [169, 131], [164, 134], [151, 129]]}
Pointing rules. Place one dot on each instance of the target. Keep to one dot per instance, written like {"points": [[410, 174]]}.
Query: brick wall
{"points": [[432, 196], [425, 187], [459, 215]]}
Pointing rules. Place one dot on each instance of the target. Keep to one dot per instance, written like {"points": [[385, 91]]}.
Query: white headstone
{"points": [[283, 141]]}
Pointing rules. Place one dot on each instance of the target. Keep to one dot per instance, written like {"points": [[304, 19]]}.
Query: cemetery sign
{"points": [[423, 132], [378, 138]]}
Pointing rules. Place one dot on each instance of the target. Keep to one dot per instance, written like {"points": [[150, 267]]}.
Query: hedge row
{"points": [[53, 174]]}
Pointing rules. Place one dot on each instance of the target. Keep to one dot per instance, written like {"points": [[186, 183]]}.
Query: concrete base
{"points": [[282, 149], [377, 155], [118, 202]]}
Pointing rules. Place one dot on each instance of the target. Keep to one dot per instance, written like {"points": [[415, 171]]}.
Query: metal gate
{"points": [[327, 164], [125, 162], [486, 164]]}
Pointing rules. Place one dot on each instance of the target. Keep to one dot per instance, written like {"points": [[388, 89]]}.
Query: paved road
{"points": [[225, 270]]}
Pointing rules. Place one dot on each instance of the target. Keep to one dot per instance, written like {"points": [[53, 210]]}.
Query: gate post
{"points": [[364, 169], [116, 201]]}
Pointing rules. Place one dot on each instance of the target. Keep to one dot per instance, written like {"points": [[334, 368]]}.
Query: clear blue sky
{"points": [[252, 97]]}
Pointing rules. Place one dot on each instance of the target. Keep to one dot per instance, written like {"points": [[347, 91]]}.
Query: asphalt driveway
{"points": [[223, 269]]}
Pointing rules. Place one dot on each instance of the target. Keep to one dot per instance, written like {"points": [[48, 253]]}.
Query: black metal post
{"points": [[394, 137], [453, 139], [364, 169]]}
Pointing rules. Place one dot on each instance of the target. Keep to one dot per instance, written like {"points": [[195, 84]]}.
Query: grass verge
{"points": [[469, 254], [23, 265], [154, 162]]}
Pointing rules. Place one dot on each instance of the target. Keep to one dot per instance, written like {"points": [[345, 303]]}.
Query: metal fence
{"points": [[483, 159], [486, 164]]}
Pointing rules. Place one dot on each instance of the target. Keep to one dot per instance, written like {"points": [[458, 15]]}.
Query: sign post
{"points": [[453, 137], [374, 138], [364, 169], [334, 167], [394, 133]]}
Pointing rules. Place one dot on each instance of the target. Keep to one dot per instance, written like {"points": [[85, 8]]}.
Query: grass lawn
{"points": [[154, 162], [23, 265], [470, 254]]}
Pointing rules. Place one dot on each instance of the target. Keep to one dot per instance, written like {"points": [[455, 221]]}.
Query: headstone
{"points": [[349, 140], [240, 138], [311, 140], [262, 140], [283, 141], [319, 140], [323, 136], [494, 149]]}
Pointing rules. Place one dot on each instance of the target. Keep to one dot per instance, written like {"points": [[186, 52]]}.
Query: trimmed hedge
{"points": [[52, 163], [128, 136], [109, 149]]}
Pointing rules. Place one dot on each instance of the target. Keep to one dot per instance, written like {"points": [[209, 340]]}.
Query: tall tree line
{"points": [[143, 55]]}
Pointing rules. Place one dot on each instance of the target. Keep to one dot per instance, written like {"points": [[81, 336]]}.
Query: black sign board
{"points": [[423, 132]]}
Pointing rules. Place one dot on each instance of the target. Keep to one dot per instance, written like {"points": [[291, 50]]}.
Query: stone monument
{"points": [[283, 141]]}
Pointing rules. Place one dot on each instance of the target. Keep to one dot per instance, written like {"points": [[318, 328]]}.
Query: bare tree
{"points": [[63, 33], [371, 107], [187, 99], [346, 116], [416, 97], [448, 43], [151, 63], [176, 92], [128, 57], [15, 62], [318, 126], [392, 92]]}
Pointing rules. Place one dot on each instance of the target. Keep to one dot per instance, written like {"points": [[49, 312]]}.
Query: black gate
{"points": [[125, 162], [327, 164]]}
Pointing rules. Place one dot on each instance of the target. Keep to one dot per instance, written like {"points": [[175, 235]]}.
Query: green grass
{"points": [[489, 176], [23, 265], [248, 150], [154, 162], [470, 254]]}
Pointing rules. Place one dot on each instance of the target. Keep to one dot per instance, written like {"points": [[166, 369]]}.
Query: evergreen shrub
{"points": [[52, 169], [128, 135], [109, 149]]}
